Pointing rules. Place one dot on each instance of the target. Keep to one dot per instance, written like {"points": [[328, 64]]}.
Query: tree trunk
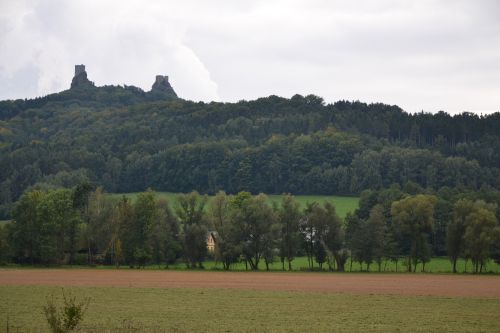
{"points": [[289, 265], [340, 265], [89, 256]]}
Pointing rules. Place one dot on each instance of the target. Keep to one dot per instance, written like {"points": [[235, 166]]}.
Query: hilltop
{"points": [[83, 92]]}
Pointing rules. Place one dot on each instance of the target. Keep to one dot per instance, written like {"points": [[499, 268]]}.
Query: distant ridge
{"points": [[161, 86], [85, 93]]}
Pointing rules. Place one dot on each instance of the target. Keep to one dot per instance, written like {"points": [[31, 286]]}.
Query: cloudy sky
{"points": [[419, 54]]}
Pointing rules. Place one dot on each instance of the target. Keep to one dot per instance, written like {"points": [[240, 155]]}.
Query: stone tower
{"points": [[80, 78], [79, 69], [162, 86]]}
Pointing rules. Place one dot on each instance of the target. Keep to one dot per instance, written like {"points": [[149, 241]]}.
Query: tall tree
{"points": [[191, 214], [95, 230], [376, 226], [228, 246], [4, 245], [144, 217], [57, 221], [122, 237], [289, 217], [480, 233], [25, 235], [455, 242], [354, 237], [414, 220], [319, 219], [163, 236], [334, 241], [255, 220], [307, 232]]}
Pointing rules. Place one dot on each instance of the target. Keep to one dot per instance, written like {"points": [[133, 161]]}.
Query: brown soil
{"points": [[396, 284]]}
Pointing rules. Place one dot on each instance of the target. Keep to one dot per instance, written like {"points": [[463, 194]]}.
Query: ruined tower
{"points": [[79, 69], [162, 86], [80, 78]]}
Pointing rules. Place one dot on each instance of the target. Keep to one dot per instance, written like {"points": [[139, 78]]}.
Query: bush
{"points": [[81, 259], [68, 317]]}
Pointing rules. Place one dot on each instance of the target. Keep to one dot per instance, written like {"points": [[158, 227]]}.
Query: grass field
{"points": [[223, 310], [436, 265], [342, 204]]}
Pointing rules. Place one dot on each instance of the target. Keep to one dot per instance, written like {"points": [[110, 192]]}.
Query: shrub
{"points": [[68, 317]]}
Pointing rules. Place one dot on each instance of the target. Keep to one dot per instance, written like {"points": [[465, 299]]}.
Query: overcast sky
{"points": [[419, 54]]}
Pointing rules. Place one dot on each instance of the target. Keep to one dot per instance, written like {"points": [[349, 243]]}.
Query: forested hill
{"points": [[128, 140]]}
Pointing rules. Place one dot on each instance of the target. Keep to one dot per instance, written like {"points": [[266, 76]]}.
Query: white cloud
{"points": [[419, 54], [121, 43]]}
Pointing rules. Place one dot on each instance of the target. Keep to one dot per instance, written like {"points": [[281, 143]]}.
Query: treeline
{"points": [[127, 141], [410, 225]]}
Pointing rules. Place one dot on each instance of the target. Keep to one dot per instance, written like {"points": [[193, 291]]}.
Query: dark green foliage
{"points": [[190, 210], [164, 236], [323, 236], [456, 229], [414, 221], [44, 227], [255, 221], [227, 236], [127, 140], [481, 233], [289, 216], [4, 245], [367, 238]]}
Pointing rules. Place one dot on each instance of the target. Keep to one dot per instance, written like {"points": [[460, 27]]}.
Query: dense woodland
{"points": [[127, 140], [85, 226]]}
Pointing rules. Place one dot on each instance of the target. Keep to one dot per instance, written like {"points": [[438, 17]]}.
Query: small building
{"points": [[211, 241]]}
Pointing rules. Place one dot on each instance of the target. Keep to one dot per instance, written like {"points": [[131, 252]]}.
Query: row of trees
{"points": [[85, 226]]}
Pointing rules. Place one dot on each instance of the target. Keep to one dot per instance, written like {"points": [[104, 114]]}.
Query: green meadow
{"points": [[440, 265], [436, 265], [342, 204]]}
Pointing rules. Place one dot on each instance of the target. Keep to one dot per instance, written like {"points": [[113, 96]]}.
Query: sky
{"points": [[425, 55]]}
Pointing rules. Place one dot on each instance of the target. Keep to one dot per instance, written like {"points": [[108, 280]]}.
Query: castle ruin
{"points": [[80, 78], [79, 69], [161, 87]]}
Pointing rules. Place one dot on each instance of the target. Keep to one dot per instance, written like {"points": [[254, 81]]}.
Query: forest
{"points": [[127, 140]]}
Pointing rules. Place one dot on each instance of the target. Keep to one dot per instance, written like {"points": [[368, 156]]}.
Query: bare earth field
{"points": [[364, 284]]}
